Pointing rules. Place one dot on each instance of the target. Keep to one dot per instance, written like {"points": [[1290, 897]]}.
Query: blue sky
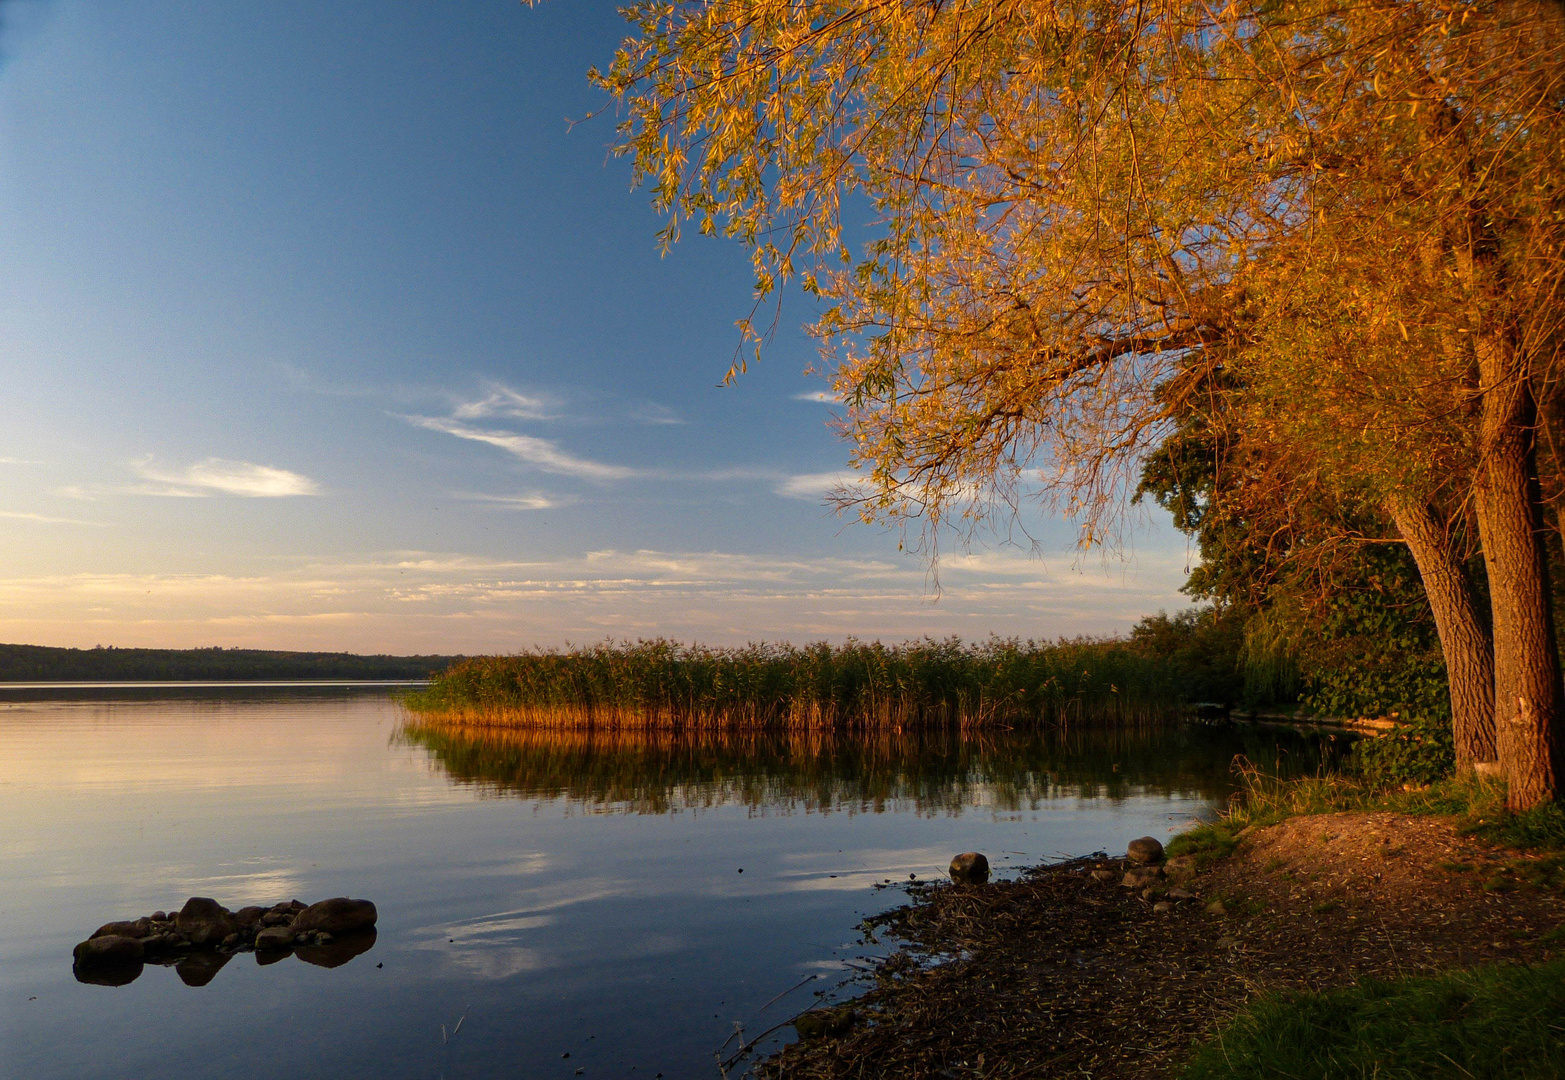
{"points": [[322, 328]]}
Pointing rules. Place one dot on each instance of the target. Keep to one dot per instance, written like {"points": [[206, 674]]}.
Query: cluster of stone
{"points": [[207, 926], [1161, 882]]}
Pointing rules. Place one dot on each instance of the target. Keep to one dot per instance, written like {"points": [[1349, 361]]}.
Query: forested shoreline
{"points": [[40, 663]]}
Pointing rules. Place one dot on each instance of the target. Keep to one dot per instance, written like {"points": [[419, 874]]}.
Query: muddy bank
{"points": [[1071, 971]]}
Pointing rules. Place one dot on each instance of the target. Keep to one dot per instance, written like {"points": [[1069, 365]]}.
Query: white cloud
{"points": [[544, 453], [816, 486], [44, 519], [18, 461], [503, 401], [527, 500], [823, 396], [221, 476]]}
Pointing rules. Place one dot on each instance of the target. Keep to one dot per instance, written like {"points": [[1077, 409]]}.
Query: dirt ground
{"points": [[1063, 974]]}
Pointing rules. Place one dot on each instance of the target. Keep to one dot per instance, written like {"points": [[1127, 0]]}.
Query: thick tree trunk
{"points": [[1527, 670], [1469, 653]]}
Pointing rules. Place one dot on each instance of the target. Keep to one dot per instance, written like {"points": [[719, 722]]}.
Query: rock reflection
{"points": [[200, 968], [115, 974], [337, 952], [930, 772]]}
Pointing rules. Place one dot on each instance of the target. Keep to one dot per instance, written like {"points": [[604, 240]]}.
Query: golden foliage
{"points": [[1035, 225]]}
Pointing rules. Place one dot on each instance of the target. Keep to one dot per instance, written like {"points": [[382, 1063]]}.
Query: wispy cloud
{"points": [[817, 486], [544, 453], [502, 401], [528, 500], [45, 519], [444, 602], [652, 413], [18, 461], [819, 395], [219, 476]]}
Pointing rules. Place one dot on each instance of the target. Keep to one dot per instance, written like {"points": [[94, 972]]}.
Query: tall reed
{"points": [[661, 684]]}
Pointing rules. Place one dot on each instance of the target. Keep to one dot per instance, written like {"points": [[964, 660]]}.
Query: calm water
{"points": [[564, 896]]}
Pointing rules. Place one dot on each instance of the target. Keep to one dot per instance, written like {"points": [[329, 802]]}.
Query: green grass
{"points": [[1478, 805], [1495, 1022], [662, 683]]}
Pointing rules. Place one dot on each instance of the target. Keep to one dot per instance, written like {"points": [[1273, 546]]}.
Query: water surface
{"points": [[557, 895]]}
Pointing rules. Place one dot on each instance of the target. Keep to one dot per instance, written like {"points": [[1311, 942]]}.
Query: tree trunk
{"points": [[1469, 653], [1527, 669]]}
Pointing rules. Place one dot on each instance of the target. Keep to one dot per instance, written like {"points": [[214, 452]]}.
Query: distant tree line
{"points": [[26, 663]]}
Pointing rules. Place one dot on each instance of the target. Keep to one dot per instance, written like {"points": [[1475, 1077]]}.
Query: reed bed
{"points": [[664, 685]]}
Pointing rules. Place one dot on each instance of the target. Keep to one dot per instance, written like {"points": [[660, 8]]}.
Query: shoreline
{"points": [[1066, 971]]}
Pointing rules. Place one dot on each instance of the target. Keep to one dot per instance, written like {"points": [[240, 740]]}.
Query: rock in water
{"points": [[137, 928], [340, 915], [970, 868], [273, 937], [109, 949], [249, 917], [203, 921], [1145, 850]]}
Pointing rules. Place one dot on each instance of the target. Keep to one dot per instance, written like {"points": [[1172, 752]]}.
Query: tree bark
{"points": [[1527, 669], [1464, 639]]}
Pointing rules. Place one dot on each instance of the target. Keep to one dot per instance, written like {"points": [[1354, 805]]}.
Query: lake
{"points": [[624, 900]]}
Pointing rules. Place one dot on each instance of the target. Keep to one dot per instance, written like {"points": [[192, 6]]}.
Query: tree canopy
{"points": [[1081, 211]]}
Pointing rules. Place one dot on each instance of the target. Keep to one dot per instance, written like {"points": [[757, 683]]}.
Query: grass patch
{"points": [[1240, 905], [1495, 1022], [1478, 806], [1208, 841]]}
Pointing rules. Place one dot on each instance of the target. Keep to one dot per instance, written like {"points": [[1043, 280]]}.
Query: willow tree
{"points": [[1076, 207]]}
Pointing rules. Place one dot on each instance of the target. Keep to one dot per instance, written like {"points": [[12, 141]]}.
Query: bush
{"points": [[1420, 752]]}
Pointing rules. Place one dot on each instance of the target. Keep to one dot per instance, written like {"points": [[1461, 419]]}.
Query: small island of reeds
{"points": [[661, 684]]}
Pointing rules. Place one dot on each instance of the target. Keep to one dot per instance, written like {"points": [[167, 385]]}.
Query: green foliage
{"points": [[1420, 752], [950, 680], [1494, 1022], [1203, 647], [1339, 626], [1373, 650]]}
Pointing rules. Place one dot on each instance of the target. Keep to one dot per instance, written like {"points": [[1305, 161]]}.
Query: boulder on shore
{"points": [[970, 868], [1145, 850]]}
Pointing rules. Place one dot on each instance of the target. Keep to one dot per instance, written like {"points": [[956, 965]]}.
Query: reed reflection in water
{"points": [[940, 771]]}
